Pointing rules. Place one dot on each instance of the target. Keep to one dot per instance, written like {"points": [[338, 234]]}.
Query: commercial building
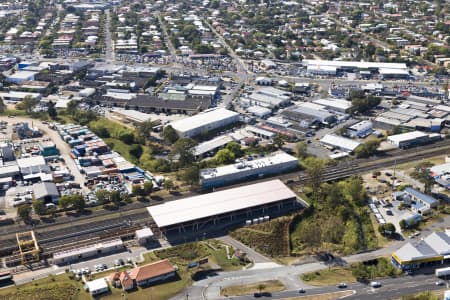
{"points": [[205, 122], [338, 105], [277, 163], [21, 76], [360, 129], [432, 250], [211, 146], [97, 286], [46, 191], [223, 208], [18, 96], [76, 254], [144, 235], [409, 139], [421, 203], [339, 142], [349, 66]]}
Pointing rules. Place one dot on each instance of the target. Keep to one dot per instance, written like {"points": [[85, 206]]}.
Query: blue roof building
{"points": [[421, 198]]}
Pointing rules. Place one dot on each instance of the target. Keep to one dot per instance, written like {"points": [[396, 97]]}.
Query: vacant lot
{"points": [[329, 277]]}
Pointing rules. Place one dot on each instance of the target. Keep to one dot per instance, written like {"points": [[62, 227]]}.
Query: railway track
{"points": [[72, 231]]}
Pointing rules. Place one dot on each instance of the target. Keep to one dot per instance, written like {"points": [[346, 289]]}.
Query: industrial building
{"points": [[432, 250], [223, 208], [409, 139], [276, 163], [205, 122], [339, 142], [360, 129], [211, 146], [338, 105], [46, 191]]}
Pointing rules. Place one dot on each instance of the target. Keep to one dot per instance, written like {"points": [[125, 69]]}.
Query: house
{"points": [[97, 287], [144, 275], [153, 272]]}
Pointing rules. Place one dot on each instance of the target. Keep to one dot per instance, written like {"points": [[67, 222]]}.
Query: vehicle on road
{"points": [[439, 283], [442, 272], [301, 291], [341, 285], [375, 284]]}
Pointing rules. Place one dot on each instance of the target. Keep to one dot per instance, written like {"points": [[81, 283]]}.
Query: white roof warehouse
{"points": [[205, 122], [219, 205]]}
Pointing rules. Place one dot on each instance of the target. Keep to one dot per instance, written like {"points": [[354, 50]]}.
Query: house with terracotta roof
{"points": [[144, 275], [156, 271]]}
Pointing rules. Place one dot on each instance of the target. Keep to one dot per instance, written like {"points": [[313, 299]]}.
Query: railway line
{"points": [[94, 228]]}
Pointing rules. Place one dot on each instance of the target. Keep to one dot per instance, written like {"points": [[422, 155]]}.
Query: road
{"points": [[251, 254], [109, 52], [390, 289], [172, 51]]}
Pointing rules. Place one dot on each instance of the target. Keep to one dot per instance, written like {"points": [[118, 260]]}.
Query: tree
{"points": [[38, 207], [184, 150], [145, 128], [127, 137], [354, 190], [72, 107], [224, 156], [387, 229], [136, 150], [148, 188], [279, 140], [261, 287], [51, 110], [168, 185], [403, 224], [314, 168], [169, 135], [115, 197], [235, 148], [138, 191], [103, 196], [367, 149], [311, 235], [78, 202], [422, 173], [301, 149], [190, 175], [65, 202], [27, 104], [23, 211], [2, 105]]}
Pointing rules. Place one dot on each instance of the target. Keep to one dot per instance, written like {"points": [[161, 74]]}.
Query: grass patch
{"points": [[49, 288], [270, 238], [263, 286], [329, 277]]}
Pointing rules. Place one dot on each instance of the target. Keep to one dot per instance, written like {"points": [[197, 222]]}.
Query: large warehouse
{"points": [[408, 139], [217, 210], [431, 250], [205, 122], [274, 164]]}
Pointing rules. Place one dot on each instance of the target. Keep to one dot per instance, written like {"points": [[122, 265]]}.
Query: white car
{"points": [[375, 284]]}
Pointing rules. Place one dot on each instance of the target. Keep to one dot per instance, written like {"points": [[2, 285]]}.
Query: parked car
{"points": [[341, 285]]}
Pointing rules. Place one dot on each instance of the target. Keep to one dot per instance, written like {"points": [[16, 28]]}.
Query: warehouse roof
{"points": [[340, 142], [44, 189], [425, 198], [355, 64], [222, 202], [408, 136], [410, 252], [202, 119], [31, 161], [440, 242], [272, 160], [334, 103], [213, 144]]}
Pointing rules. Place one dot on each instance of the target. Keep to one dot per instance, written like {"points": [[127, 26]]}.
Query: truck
{"points": [[442, 272]]}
